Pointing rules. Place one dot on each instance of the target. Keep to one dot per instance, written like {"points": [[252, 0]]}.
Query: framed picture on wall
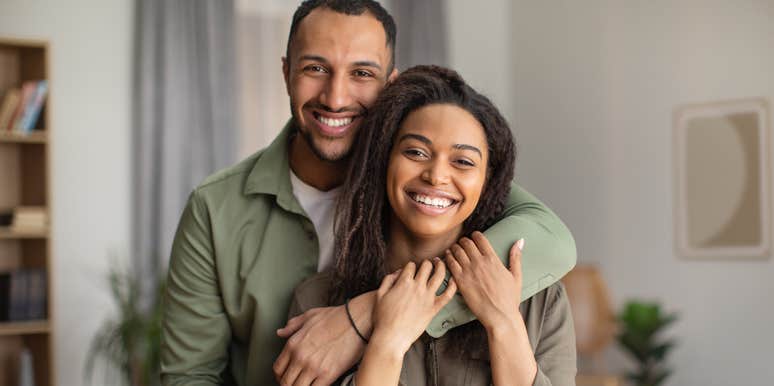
{"points": [[722, 181]]}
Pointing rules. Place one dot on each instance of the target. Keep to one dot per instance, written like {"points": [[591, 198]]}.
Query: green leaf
{"points": [[130, 340], [640, 322]]}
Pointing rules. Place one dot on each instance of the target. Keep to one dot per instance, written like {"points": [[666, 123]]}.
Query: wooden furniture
{"points": [[594, 322], [598, 380], [25, 181]]}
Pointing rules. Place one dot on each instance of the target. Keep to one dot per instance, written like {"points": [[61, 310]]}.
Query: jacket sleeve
{"points": [[195, 328], [555, 352], [549, 252]]}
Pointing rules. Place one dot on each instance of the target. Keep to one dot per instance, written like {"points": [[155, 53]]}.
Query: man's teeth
{"points": [[335, 122], [434, 201]]}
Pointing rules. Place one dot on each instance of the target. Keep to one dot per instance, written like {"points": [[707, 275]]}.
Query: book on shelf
{"points": [[23, 295], [8, 107], [29, 219], [28, 88], [20, 108], [29, 117], [6, 218]]}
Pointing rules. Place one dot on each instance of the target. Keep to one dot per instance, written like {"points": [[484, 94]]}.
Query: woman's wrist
{"points": [[361, 309], [502, 325], [388, 343]]}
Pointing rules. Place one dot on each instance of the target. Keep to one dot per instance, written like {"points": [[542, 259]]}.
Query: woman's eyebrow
{"points": [[420, 138], [469, 147], [427, 141]]}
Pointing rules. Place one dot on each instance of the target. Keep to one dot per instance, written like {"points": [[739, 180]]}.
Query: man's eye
{"points": [[363, 74], [315, 68]]}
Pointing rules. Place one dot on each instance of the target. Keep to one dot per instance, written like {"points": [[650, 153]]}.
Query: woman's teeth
{"points": [[438, 202], [334, 122]]}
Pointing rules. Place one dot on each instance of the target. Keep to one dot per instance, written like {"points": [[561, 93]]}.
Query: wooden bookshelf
{"points": [[10, 137], [24, 328], [11, 234], [25, 181]]}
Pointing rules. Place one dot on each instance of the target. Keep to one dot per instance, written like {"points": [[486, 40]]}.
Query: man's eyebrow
{"points": [[368, 63], [469, 147], [359, 63], [314, 58], [420, 138]]}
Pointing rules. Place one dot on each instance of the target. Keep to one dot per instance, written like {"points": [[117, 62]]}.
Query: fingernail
{"points": [[520, 244]]}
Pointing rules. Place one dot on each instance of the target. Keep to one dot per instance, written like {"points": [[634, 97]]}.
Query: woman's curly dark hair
{"points": [[363, 209]]}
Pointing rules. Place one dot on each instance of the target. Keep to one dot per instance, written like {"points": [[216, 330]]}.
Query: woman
{"points": [[433, 163]]}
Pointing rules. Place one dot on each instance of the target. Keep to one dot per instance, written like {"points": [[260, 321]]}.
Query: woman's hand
{"points": [[491, 291], [406, 303]]}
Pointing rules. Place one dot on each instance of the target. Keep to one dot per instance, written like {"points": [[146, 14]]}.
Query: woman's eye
{"points": [[414, 153], [465, 162]]}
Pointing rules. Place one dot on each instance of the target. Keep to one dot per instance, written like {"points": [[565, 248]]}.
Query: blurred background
{"points": [[146, 98]]}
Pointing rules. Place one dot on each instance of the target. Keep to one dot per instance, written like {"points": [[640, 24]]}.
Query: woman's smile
{"points": [[432, 201]]}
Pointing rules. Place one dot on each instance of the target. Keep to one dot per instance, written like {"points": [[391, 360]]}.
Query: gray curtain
{"points": [[184, 115], [422, 32]]}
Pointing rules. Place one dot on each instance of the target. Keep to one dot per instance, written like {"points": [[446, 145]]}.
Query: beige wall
{"points": [[90, 94], [594, 87]]}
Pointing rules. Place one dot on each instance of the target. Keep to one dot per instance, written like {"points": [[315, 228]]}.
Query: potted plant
{"points": [[127, 347], [641, 324]]}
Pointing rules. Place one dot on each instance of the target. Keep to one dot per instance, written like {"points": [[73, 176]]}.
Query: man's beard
{"points": [[307, 136], [319, 153]]}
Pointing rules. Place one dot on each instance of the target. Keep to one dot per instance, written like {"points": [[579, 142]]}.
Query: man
{"points": [[252, 232]]}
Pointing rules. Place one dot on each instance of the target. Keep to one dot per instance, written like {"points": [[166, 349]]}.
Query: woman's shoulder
{"points": [[546, 302], [313, 292]]}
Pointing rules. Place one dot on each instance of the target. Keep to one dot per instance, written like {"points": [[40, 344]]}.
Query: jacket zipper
{"points": [[432, 362]]}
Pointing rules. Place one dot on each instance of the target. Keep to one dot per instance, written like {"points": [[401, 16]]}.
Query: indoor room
{"points": [[640, 130]]}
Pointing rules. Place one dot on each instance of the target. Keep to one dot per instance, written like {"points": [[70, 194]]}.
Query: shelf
{"points": [[15, 137], [8, 233], [24, 328]]}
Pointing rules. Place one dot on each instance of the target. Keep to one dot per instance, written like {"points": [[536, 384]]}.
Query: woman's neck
{"points": [[402, 246]]}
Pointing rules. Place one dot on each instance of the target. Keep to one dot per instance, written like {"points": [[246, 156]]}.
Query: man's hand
{"points": [[322, 344]]}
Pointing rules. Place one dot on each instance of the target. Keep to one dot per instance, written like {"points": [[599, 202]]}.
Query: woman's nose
{"points": [[437, 173]]}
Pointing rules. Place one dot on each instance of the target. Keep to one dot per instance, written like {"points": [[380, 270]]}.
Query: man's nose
{"points": [[336, 94], [437, 173]]}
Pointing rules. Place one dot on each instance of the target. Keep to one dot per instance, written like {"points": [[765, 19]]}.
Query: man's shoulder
{"points": [[234, 174]]}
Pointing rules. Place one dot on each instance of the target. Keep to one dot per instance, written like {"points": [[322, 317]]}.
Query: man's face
{"points": [[338, 64]]}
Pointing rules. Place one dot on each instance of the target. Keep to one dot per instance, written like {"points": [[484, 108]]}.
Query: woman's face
{"points": [[437, 170]]}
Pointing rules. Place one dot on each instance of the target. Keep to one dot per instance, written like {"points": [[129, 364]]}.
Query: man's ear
{"points": [[286, 73], [393, 75]]}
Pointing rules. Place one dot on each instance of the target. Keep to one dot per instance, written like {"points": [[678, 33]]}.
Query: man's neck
{"points": [[403, 247], [320, 174]]}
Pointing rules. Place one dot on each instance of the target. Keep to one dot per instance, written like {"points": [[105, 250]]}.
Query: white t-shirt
{"points": [[321, 207]]}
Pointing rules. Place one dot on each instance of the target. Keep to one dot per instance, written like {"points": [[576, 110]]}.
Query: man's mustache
{"points": [[348, 109]]}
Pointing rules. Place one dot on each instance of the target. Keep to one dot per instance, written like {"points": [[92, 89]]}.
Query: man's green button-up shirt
{"points": [[244, 243]]}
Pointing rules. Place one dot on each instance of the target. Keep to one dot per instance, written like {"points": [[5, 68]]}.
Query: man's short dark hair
{"points": [[347, 7]]}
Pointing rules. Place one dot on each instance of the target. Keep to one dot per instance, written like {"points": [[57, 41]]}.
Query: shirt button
{"points": [[446, 324]]}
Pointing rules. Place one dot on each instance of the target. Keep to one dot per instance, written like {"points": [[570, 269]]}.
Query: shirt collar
{"points": [[271, 172]]}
